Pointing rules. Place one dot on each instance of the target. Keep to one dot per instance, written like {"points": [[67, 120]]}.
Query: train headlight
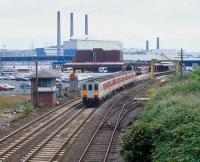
{"points": [[84, 93]]}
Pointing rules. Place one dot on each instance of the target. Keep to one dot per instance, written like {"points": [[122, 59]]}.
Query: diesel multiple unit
{"points": [[98, 89]]}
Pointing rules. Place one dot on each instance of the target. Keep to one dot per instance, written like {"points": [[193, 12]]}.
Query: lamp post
{"points": [[181, 63], [36, 84]]}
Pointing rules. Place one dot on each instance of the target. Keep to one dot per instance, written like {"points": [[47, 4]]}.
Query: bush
{"points": [[28, 110], [169, 128]]}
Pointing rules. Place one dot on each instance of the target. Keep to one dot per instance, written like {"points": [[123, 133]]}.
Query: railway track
{"points": [[48, 137], [100, 144], [53, 147], [18, 143]]}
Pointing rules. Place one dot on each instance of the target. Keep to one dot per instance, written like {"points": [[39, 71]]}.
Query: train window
{"points": [[84, 87], [90, 87], [96, 87]]}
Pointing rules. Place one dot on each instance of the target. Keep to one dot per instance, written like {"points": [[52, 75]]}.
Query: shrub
{"points": [[169, 128], [28, 110]]}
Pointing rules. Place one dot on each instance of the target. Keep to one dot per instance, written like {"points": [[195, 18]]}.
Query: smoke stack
{"points": [[86, 26], [58, 34], [71, 25], [158, 43], [147, 45]]}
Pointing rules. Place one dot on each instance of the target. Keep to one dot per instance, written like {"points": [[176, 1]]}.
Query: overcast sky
{"points": [[27, 23]]}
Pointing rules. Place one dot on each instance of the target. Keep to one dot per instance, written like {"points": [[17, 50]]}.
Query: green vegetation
{"points": [[169, 128], [28, 110]]}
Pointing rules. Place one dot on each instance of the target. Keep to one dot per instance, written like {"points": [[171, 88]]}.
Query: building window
{"points": [[45, 83]]}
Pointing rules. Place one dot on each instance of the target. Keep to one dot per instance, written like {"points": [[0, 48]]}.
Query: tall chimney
{"points": [[58, 34], [71, 25], [86, 26], [147, 45], [158, 43]]}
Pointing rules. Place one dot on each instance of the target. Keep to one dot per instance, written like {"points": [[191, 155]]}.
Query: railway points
{"points": [[34, 141], [100, 144]]}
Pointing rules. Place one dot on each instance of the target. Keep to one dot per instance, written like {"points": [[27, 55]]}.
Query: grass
{"points": [[9, 102], [169, 128]]}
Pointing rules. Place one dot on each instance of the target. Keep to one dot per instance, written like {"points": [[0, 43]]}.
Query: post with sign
{"points": [[73, 83]]}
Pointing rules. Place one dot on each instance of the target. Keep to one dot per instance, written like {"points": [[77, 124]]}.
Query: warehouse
{"points": [[93, 54]]}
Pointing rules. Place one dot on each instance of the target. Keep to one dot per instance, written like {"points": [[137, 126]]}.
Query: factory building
{"points": [[48, 51], [93, 51], [93, 54]]}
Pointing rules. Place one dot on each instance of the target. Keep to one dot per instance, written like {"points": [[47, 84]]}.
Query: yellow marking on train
{"points": [[84, 93], [96, 93]]}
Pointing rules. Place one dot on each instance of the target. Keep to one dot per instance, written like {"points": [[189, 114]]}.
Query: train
{"points": [[158, 67], [142, 70], [96, 90]]}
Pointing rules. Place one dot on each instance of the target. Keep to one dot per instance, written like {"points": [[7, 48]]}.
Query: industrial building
{"points": [[94, 50], [93, 54]]}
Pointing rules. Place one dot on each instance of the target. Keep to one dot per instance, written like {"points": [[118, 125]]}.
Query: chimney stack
{"points": [[147, 45], [158, 43], [86, 26], [71, 25], [58, 34]]}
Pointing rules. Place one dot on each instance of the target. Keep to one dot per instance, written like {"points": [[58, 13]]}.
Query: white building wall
{"points": [[72, 44], [91, 44], [52, 51], [130, 54]]}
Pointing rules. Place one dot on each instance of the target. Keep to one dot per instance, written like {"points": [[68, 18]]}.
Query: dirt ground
{"points": [[8, 102], [16, 124]]}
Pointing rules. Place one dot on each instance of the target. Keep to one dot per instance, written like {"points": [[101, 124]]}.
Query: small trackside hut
{"points": [[46, 94], [98, 89]]}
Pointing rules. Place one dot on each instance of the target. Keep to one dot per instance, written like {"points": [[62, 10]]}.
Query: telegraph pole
{"points": [[36, 84], [181, 63]]}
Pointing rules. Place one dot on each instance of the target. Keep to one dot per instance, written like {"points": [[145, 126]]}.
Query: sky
{"points": [[28, 24]]}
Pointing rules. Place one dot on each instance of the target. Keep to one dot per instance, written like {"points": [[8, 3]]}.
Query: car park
{"points": [[2, 77], [65, 80], [58, 80], [10, 77], [21, 78], [2, 88], [25, 86], [9, 87]]}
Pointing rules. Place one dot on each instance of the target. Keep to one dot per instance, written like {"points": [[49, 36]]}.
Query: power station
{"points": [[86, 51]]}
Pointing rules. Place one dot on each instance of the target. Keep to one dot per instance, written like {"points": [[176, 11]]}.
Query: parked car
{"points": [[65, 80], [2, 88], [188, 68], [21, 78], [2, 77], [25, 86], [9, 87], [58, 80], [9, 77]]}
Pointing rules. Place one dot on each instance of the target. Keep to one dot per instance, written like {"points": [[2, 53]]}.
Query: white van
{"points": [[103, 69], [68, 70]]}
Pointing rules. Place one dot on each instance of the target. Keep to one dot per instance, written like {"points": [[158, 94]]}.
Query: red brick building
{"points": [[96, 52], [46, 88]]}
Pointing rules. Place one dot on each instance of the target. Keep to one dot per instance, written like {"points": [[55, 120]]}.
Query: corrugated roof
{"points": [[44, 73]]}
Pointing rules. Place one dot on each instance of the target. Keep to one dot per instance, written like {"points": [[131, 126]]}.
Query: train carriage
{"points": [[98, 89]]}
